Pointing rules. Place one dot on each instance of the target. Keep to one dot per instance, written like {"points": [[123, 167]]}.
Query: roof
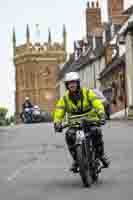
{"points": [[82, 62], [76, 65], [126, 25], [128, 11], [115, 63]]}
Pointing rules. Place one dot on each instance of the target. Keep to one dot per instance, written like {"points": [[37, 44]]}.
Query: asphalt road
{"points": [[34, 165]]}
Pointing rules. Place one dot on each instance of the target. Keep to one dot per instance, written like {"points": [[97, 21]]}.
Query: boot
{"points": [[100, 151], [105, 161], [74, 167]]}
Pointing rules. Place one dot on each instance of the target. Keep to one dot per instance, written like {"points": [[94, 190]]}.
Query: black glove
{"points": [[58, 127], [102, 118]]}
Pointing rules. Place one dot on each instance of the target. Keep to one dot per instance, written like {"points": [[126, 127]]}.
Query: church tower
{"points": [[36, 71], [115, 9], [93, 17]]}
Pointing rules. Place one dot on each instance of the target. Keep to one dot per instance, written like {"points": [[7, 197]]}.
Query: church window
{"points": [[21, 78]]}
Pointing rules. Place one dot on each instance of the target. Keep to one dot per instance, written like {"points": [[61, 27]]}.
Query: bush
{"points": [[3, 113], [4, 120]]}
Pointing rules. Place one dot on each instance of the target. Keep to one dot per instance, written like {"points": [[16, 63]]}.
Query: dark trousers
{"points": [[97, 141], [107, 108]]}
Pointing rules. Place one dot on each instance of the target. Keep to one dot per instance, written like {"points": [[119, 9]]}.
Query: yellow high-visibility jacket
{"points": [[91, 105]]}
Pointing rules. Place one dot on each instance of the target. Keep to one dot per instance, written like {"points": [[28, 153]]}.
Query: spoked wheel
{"points": [[95, 176], [95, 171], [27, 119], [83, 167]]}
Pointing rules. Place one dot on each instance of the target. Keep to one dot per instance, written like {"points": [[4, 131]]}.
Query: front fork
{"points": [[95, 164]]}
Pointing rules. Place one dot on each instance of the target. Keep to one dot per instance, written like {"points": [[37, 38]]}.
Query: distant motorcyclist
{"points": [[75, 101], [27, 103], [27, 115]]}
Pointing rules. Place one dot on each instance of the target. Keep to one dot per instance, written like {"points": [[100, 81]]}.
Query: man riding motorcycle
{"points": [[27, 104], [75, 101]]}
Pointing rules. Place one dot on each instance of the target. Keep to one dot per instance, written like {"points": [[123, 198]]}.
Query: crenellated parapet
{"points": [[47, 49], [93, 4], [39, 49]]}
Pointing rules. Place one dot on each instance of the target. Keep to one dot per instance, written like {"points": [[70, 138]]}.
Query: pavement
{"points": [[34, 165], [119, 115]]}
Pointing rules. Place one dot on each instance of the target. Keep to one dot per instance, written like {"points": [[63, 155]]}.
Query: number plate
{"points": [[81, 133], [80, 137]]}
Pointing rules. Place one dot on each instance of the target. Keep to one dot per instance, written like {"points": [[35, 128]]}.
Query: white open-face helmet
{"points": [[36, 107], [27, 98], [72, 76]]}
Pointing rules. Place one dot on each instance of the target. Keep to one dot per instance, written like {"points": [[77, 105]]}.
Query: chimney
{"points": [[93, 17], [115, 9]]}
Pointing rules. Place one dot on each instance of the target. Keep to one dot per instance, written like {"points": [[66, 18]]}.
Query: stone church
{"points": [[36, 71]]}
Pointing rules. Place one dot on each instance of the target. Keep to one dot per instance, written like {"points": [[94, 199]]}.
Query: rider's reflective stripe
{"points": [[84, 112], [94, 98], [89, 101], [60, 107], [87, 109], [66, 103]]}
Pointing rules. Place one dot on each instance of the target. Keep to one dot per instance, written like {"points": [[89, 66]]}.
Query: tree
{"points": [[3, 113], [12, 119]]}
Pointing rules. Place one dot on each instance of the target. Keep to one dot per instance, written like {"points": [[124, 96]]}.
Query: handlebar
{"points": [[89, 122]]}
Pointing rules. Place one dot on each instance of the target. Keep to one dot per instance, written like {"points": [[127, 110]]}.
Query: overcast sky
{"points": [[46, 13]]}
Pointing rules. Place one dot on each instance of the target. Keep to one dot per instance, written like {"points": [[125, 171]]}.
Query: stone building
{"points": [[112, 80], [116, 78], [115, 11], [37, 69], [88, 56], [127, 35], [102, 60], [89, 65]]}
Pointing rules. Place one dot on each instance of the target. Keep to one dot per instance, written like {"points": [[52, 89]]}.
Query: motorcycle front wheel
{"points": [[84, 168]]}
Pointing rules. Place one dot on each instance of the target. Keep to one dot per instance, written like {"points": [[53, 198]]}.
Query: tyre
{"points": [[83, 167], [94, 176], [95, 169], [27, 119]]}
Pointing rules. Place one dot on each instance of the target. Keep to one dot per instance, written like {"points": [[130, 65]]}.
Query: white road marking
{"points": [[21, 169], [17, 172]]}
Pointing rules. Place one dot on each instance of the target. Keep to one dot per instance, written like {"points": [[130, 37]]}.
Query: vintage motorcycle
{"points": [[36, 114], [26, 115], [31, 115], [89, 165]]}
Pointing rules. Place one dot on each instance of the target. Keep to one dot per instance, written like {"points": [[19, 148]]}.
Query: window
{"points": [[114, 92], [21, 78]]}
